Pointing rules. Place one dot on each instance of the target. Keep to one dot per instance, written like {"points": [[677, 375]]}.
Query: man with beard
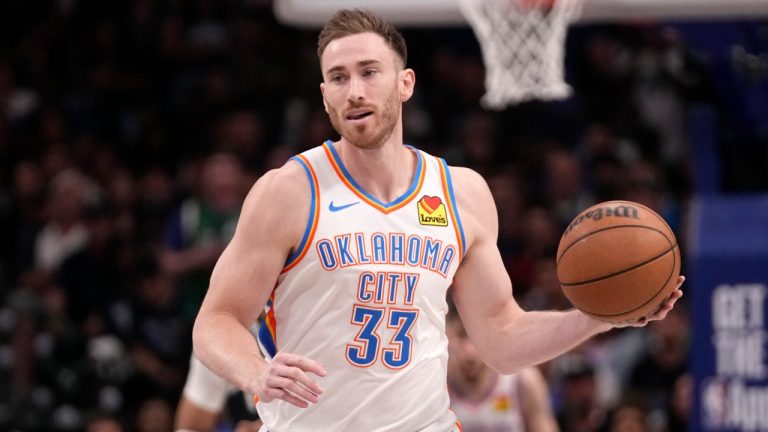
{"points": [[351, 247]]}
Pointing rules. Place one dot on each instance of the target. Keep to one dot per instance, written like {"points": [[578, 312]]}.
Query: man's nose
{"points": [[356, 90]]}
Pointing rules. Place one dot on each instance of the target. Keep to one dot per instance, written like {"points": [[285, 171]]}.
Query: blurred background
{"points": [[130, 133]]}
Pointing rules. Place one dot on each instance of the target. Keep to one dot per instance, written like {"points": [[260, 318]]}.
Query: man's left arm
{"points": [[507, 337]]}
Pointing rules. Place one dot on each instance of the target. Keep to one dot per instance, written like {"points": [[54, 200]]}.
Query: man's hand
{"points": [[661, 312], [285, 378]]}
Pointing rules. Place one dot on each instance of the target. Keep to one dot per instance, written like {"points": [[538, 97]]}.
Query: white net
{"points": [[523, 43]]}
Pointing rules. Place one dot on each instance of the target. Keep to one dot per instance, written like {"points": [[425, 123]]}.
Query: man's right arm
{"points": [[271, 223]]}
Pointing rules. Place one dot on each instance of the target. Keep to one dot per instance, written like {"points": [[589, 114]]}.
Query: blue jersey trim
{"points": [[455, 205], [266, 341], [310, 221]]}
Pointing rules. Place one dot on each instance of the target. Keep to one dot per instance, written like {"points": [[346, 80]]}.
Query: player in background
{"points": [[485, 401], [352, 246], [204, 400]]}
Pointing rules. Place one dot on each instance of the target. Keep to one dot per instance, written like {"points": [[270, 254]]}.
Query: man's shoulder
{"points": [[466, 180], [288, 181], [278, 204], [474, 201]]}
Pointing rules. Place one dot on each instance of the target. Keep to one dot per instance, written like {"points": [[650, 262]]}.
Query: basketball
{"points": [[618, 261]]}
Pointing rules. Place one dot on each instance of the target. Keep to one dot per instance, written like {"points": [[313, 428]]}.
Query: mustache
{"points": [[359, 105]]}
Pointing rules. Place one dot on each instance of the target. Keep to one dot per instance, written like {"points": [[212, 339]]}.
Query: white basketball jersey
{"points": [[365, 296], [499, 411]]}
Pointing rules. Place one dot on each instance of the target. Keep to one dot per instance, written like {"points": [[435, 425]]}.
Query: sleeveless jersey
{"points": [[364, 294], [500, 411]]}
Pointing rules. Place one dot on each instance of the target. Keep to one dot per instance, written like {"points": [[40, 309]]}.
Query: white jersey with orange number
{"points": [[365, 296], [499, 411]]}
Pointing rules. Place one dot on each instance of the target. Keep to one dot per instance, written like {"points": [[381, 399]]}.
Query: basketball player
{"points": [[485, 401], [352, 246]]}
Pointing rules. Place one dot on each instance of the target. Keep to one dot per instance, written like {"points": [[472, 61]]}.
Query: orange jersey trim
{"points": [[314, 213], [445, 177], [349, 182], [270, 320]]}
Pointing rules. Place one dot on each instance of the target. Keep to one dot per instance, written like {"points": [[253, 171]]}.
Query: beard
{"points": [[371, 134]]}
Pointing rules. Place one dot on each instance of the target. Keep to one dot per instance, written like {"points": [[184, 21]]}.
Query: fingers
{"points": [[667, 305], [276, 393], [286, 378], [290, 385], [680, 281], [662, 310], [299, 366]]}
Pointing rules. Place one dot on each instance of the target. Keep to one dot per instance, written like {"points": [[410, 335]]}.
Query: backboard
{"points": [[312, 13]]}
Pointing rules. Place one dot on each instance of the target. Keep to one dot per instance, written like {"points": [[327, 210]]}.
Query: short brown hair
{"points": [[347, 22]]}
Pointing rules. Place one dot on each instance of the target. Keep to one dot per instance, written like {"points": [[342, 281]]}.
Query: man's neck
{"points": [[385, 172]]}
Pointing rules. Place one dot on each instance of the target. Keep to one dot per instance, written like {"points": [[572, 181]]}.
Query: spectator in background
{"points": [[507, 188], [540, 234], [646, 184], [545, 292], [156, 192], [564, 185], [476, 143], [241, 133], [663, 73], [202, 226], [605, 157], [104, 423], [656, 375], [154, 415], [156, 334], [579, 409], [89, 276], [509, 194], [121, 192], [608, 180], [680, 406], [25, 215], [65, 232], [41, 305], [629, 418]]}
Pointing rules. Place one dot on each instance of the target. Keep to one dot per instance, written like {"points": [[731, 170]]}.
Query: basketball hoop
{"points": [[523, 45]]}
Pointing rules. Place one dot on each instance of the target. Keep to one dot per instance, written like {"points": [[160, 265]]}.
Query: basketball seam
{"points": [[650, 211], [657, 216], [560, 258], [664, 285], [654, 258]]}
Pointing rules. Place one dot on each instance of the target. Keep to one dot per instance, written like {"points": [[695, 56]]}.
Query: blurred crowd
{"points": [[131, 132]]}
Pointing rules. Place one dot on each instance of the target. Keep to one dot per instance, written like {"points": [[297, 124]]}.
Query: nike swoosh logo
{"points": [[335, 208]]}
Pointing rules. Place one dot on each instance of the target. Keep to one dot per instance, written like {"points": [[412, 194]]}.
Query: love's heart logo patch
{"points": [[432, 211]]}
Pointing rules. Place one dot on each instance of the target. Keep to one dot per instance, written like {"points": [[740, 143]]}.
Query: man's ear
{"points": [[407, 83], [322, 91]]}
